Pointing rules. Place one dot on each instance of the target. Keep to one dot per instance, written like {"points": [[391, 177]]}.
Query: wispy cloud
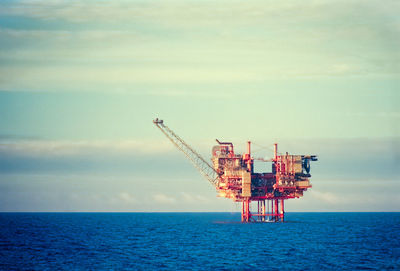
{"points": [[192, 198], [340, 158], [71, 148], [127, 198], [164, 199], [122, 44], [207, 12], [391, 114], [324, 196]]}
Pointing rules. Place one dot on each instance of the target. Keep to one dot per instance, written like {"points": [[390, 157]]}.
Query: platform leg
{"points": [[246, 210]]}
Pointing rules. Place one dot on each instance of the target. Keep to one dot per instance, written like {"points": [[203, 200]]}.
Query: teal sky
{"points": [[81, 81]]}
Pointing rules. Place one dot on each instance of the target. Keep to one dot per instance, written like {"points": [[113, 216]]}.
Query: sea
{"points": [[198, 241]]}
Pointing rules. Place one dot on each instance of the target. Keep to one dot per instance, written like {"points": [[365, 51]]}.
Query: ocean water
{"points": [[198, 241]]}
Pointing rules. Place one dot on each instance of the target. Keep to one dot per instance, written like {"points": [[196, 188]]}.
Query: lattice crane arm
{"points": [[196, 159]]}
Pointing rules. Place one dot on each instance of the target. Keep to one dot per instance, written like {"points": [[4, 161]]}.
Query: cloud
{"points": [[339, 158], [206, 12], [15, 137], [71, 157], [388, 114], [381, 114], [193, 198], [107, 192], [164, 199], [78, 11], [123, 44], [76, 148], [127, 198], [324, 196], [60, 36], [350, 194]]}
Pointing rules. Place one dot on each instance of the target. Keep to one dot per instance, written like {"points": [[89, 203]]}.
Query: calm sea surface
{"points": [[198, 241]]}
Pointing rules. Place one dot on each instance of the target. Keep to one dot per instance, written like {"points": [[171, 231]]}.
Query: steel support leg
{"points": [[263, 210], [246, 210], [242, 211]]}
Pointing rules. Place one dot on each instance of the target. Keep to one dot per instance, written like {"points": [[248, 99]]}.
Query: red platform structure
{"points": [[233, 177]]}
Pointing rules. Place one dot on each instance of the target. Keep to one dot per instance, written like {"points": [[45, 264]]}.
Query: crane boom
{"points": [[199, 162]]}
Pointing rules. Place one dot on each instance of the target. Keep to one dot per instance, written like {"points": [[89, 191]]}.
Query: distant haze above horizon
{"points": [[81, 81]]}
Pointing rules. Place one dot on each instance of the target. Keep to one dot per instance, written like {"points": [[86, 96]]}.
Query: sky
{"points": [[81, 82]]}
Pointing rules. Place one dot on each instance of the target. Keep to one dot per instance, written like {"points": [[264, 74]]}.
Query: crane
{"points": [[195, 158]]}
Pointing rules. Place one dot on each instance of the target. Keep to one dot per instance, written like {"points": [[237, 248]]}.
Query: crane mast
{"points": [[196, 159]]}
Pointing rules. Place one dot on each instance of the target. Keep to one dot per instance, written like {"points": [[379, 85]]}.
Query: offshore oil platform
{"points": [[233, 176]]}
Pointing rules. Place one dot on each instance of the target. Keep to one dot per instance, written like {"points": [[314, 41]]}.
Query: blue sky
{"points": [[81, 82]]}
